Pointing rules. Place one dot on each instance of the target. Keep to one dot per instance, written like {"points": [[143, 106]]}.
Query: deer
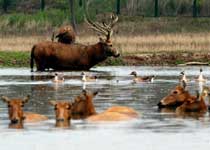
{"points": [[62, 113], [177, 97], [60, 56], [16, 114], [83, 108]]}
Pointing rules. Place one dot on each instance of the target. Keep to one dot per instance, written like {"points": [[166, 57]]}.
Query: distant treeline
{"points": [[147, 8]]}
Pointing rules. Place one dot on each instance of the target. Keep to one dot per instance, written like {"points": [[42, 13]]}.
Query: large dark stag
{"points": [[59, 56]]}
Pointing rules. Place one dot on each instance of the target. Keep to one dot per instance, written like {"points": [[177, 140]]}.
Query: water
{"points": [[152, 130]]}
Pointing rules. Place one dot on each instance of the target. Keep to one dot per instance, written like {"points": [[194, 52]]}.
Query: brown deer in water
{"points": [[176, 97], [83, 108], [17, 116], [15, 111], [59, 56], [62, 113]]}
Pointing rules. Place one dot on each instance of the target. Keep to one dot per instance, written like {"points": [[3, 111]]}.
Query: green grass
{"points": [[14, 59], [22, 59], [179, 62], [113, 62]]}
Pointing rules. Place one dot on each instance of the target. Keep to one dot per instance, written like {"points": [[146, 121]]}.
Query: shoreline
{"points": [[22, 59]]}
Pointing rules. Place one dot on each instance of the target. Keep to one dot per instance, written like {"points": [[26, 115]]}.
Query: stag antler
{"points": [[102, 28]]}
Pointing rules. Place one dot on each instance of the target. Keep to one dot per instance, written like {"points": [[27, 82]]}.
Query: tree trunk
{"points": [[118, 7], [195, 10], [80, 3], [73, 21], [42, 3], [5, 5]]}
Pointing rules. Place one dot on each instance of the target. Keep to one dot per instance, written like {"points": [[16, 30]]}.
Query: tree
{"points": [[42, 2], [80, 3], [156, 9], [72, 11], [195, 10], [118, 7], [5, 5]]}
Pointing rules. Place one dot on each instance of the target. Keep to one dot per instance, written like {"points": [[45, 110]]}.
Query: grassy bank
{"points": [[22, 58], [14, 59]]}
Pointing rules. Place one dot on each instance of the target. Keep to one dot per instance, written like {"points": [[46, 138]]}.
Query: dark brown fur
{"points": [[66, 35], [59, 56]]}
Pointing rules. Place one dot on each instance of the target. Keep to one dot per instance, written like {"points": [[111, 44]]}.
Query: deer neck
{"points": [[62, 124], [90, 106], [96, 53], [202, 101]]}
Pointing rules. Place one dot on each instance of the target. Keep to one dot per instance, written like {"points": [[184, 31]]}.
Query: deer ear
{"points": [[101, 40], [84, 92], [25, 100], [5, 99], [95, 93], [53, 103]]}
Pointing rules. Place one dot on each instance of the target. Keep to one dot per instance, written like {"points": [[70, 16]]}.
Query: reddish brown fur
{"points": [[83, 106], [176, 97], [62, 113], [16, 114], [15, 111], [195, 106], [59, 56]]}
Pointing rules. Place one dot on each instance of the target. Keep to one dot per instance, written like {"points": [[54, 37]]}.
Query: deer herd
{"points": [[66, 54]]}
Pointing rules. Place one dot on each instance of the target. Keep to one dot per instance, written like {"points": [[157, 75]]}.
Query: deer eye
{"points": [[22, 105], [8, 105]]}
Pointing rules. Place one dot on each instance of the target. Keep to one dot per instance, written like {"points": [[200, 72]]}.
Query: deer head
{"points": [[105, 29]]}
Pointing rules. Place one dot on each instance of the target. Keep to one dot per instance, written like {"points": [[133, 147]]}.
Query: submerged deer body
{"points": [[83, 108], [199, 105], [62, 113], [59, 56]]}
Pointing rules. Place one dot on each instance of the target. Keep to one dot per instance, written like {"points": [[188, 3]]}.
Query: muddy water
{"points": [[152, 130]]}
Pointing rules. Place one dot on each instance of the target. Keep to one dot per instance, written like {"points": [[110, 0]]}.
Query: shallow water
{"points": [[152, 130]]}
